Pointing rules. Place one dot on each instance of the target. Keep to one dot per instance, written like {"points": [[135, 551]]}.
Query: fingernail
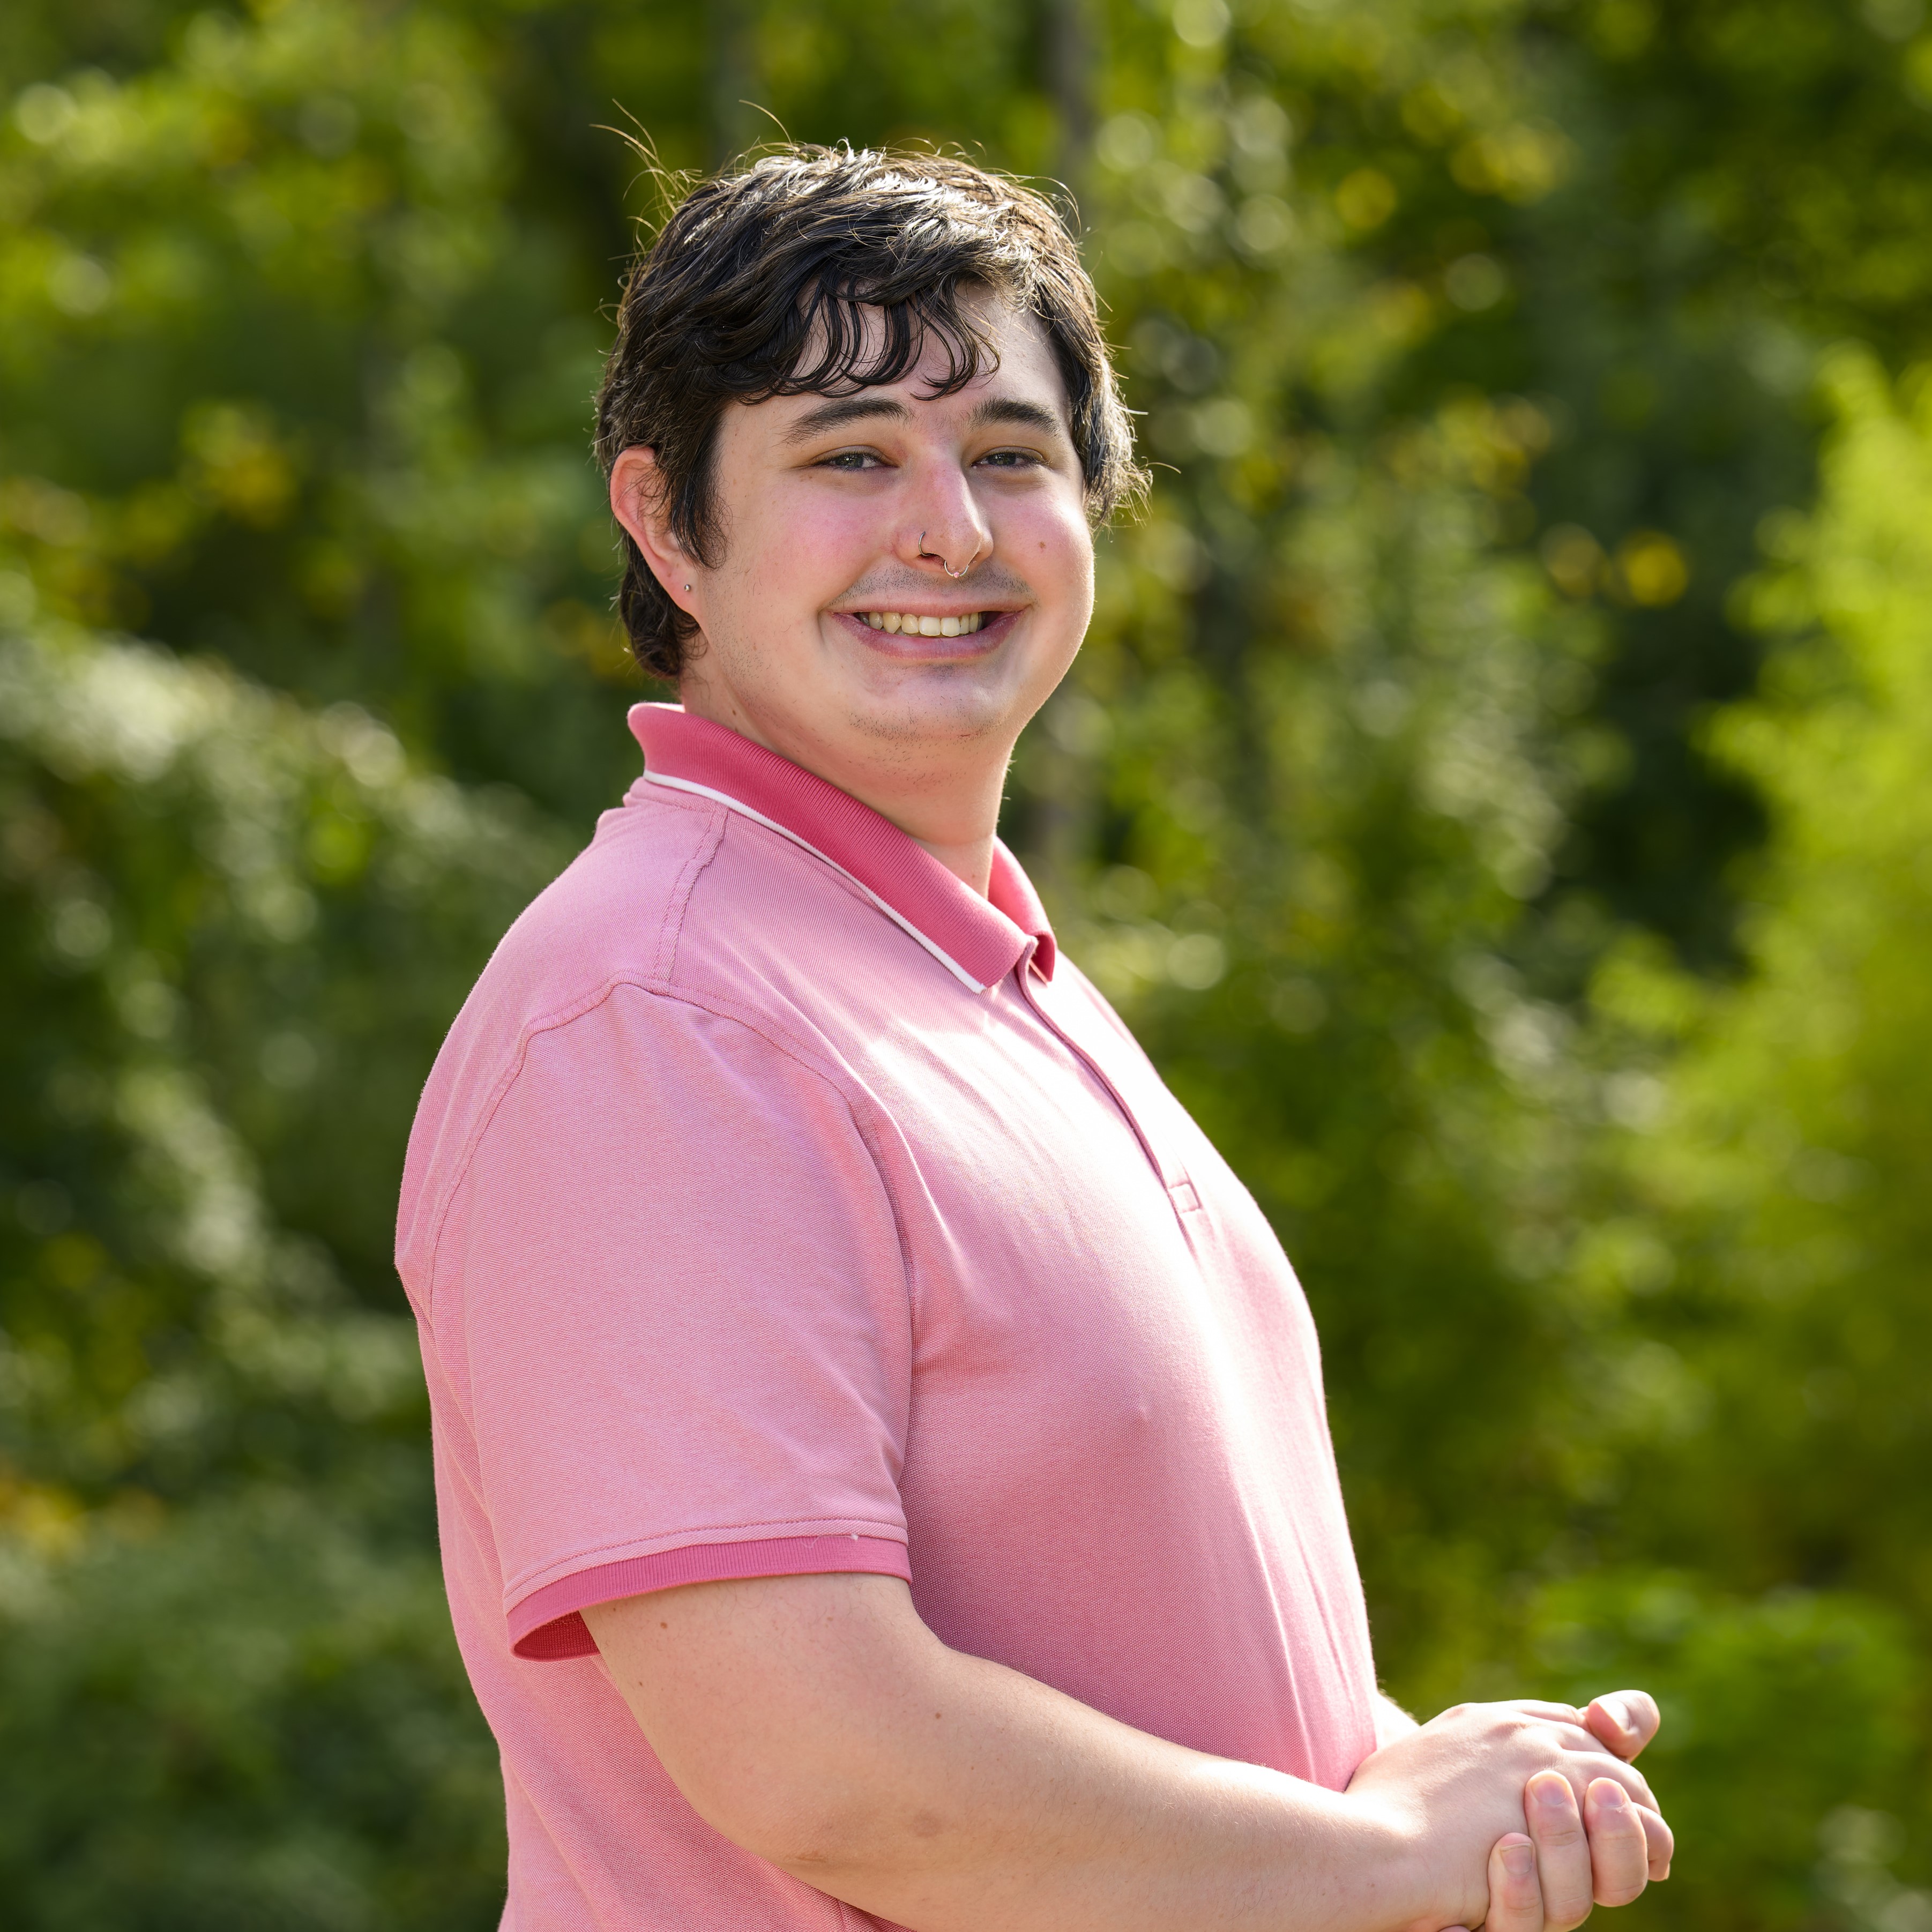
{"points": [[1553, 1792], [1612, 1797], [1619, 1708], [1520, 1860]]}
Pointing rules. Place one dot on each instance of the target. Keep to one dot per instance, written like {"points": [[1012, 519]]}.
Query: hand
{"points": [[1467, 1781], [1548, 1881]]}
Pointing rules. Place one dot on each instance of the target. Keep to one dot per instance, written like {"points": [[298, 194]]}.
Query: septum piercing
{"points": [[955, 574]]}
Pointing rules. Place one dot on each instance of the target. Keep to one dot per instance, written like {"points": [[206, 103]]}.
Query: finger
{"points": [[1515, 1898], [1561, 1714], [1610, 1727], [1619, 1854], [1659, 1840], [1589, 1759], [1660, 1845], [1587, 1739], [1658, 1837], [1562, 1849], [1623, 1720]]}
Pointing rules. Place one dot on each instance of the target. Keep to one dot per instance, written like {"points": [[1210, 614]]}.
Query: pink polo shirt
{"points": [[779, 1204]]}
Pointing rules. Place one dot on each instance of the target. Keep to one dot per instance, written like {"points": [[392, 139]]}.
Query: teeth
{"points": [[925, 627]]}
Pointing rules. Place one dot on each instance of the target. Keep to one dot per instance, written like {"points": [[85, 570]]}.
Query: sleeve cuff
{"points": [[547, 1626]]}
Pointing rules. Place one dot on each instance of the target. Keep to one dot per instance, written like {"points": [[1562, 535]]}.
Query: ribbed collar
{"points": [[979, 940]]}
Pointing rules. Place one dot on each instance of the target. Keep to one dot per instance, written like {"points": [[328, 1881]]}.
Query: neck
{"points": [[943, 794], [972, 861]]}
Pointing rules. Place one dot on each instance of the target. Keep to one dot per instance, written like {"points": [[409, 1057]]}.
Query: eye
{"points": [[850, 460], [1012, 459]]}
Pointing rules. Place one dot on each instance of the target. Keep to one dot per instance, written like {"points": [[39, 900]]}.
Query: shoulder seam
{"points": [[702, 853]]}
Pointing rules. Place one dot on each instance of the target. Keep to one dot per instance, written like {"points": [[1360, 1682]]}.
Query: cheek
{"points": [[1056, 551], [808, 549]]}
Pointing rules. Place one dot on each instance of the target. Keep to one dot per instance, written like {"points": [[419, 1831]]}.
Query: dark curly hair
{"points": [[752, 289]]}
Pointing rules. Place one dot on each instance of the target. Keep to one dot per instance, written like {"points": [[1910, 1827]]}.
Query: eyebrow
{"points": [[1010, 410], [839, 411], [832, 415]]}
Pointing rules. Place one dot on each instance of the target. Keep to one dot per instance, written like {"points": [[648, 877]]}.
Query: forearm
{"points": [[1392, 1721], [947, 1793], [986, 1798]]}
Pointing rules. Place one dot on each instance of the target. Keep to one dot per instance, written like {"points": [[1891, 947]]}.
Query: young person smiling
{"points": [[880, 1450]]}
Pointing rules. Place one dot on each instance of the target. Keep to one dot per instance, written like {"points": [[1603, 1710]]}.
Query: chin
{"points": [[941, 714]]}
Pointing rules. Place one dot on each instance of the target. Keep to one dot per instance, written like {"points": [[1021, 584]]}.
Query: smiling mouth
{"points": [[906, 624]]}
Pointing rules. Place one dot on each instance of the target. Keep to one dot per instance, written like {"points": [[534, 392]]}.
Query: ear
{"points": [[636, 501]]}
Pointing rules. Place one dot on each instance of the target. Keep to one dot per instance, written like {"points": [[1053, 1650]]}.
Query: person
{"points": [[881, 1458]]}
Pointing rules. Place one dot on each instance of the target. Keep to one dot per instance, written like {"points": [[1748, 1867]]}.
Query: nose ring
{"points": [[955, 574]]}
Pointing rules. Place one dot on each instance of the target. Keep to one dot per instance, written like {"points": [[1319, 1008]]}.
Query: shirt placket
{"points": [[1181, 1193]]}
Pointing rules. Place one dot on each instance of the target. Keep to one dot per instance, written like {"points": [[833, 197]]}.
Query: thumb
{"points": [[1516, 1895], [1623, 1721]]}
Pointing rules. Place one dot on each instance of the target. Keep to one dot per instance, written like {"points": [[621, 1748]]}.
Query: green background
{"points": [[1494, 789]]}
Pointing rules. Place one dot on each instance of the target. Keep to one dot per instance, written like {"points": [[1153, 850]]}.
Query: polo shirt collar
{"points": [[979, 940]]}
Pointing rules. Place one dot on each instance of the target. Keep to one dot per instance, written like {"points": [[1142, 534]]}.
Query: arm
{"points": [[1392, 1722], [816, 1722]]}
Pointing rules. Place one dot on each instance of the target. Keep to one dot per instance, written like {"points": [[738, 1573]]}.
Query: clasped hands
{"points": [[1525, 1814]]}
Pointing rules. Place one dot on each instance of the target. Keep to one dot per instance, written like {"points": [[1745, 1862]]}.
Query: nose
{"points": [[945, 531]]}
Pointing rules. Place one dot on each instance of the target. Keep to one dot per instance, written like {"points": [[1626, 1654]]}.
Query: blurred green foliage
{"points": [[1492, 789]]}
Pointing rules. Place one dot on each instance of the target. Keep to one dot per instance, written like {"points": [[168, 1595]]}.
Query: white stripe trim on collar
{"points": [[898, 918]]}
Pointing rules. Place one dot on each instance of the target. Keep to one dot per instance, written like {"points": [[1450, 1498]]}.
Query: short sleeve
{"points": [[672, 1304]]}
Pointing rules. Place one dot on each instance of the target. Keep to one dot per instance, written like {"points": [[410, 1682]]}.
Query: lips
{"points": [[973, 633]]}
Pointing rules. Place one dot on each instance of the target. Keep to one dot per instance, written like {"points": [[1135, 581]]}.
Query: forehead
{"points": [[1021, 363]]}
